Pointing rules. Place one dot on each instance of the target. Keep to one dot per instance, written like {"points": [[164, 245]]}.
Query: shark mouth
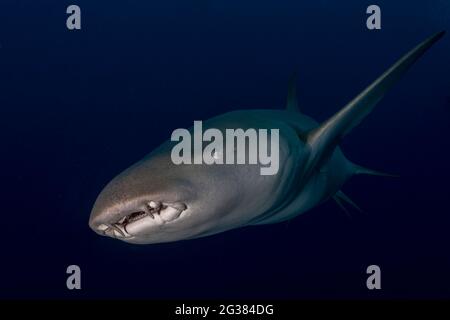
{"points": [[154, 213]]}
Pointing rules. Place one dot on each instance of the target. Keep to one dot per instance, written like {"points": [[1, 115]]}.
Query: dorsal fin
{"points": [[323, 140], [292, 103]]}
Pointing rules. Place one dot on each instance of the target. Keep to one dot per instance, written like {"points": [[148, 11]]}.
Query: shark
{"points": [[157, 201]]}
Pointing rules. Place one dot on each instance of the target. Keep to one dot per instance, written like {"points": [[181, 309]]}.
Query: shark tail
{"points": [[323, 140]]}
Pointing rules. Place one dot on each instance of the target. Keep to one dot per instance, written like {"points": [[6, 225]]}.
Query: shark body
{"points": [[157, 201]]}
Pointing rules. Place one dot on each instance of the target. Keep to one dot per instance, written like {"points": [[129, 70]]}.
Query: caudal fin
{"points": [[324, 139]]}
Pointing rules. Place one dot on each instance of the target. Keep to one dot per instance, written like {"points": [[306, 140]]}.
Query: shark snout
{"points": [[134, 218]]}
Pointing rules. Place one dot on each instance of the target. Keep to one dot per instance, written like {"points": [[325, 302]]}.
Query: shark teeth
{"points": [[172, 211], [154, 213], [114, 230], [102, 227], [134, 216], [169, 214]]}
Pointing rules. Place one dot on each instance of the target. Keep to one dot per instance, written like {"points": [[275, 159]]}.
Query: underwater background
{"points": [[78, 107]]}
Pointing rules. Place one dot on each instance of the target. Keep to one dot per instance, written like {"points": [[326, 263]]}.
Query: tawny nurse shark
{"points": [[157, 201]]}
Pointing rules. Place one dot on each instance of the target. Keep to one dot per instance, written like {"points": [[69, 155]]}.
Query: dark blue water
{"points": [[77, 107]]}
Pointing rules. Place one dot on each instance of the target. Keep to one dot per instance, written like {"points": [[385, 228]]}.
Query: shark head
{"points": [[156, 201]]}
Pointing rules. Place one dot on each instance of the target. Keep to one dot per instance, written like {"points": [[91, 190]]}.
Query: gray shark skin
{"points": [[156, 201]]}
